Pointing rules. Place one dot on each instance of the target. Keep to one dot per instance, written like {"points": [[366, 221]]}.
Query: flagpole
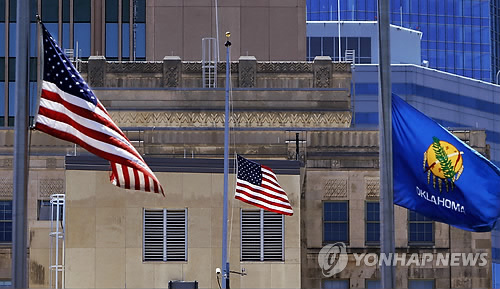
{"points": [[387, 246], [225, 261], [19, 208]]}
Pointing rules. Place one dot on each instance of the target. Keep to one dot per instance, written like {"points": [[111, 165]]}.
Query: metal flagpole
{"points": [[225, 262], [385, 147], [19, 210]]}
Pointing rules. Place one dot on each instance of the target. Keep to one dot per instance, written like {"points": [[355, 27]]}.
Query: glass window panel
{"points": [[140, 37], [33, 35], [335, 284], [450, 32], [126, 11], [373, 284], [33, 102], [82, 38], [125, 40], [441, 59], [420, 284], [467, 5], [328, 46], [2, 44], [66, 35], [468, 60], [336, 232], [12, 39], [111, 40], [365, 47], [467, 34], [12, 10], [2, 70], [50, 10], [12, 69], [450, 59], [485, 8], [2, 12], [2, 102], [81, 10], [314, 47], [140, 11], [66, 10], [111, 10], [12, 98]]}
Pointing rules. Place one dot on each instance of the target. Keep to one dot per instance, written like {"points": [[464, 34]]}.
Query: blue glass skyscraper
{"points": [[459, 36]]}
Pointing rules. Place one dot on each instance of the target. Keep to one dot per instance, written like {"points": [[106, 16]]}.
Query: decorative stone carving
{"points": [[51, 163], [134, 67], [322, 67], [335, 189], [341, 67], [290, 67], [247, 71], [96, 71], [372, 187], [238, 119], [6, 188], [48, 187], [172, 67], [7, 163]]}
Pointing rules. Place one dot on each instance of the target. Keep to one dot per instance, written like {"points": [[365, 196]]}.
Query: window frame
{"points": [[420, 243], [165, 239], [371, 243], [323, 222], [8, 221]]}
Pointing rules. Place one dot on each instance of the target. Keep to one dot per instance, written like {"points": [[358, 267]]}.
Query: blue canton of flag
{"points": [[438, 175]]}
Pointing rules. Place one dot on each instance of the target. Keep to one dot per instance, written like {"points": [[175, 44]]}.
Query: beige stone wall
{"points": [[104, 234]]}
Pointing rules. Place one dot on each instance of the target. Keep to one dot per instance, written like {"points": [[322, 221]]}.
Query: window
{"points": [[262, 236], [421, 229], [420, 284], [334, 284], [6, 221], [165, 235], [372, 233], [373, 284], [5, 283], [45, 209], [336, 222]]}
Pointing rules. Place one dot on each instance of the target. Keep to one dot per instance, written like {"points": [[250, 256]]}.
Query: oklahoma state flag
{"points": [[438, 175]]}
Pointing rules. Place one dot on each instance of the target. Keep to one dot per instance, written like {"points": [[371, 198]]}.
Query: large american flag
{"points": [[69, 110], [257, 185]]}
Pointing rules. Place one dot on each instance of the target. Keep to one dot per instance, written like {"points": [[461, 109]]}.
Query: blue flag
{"points": [[439, 176]]}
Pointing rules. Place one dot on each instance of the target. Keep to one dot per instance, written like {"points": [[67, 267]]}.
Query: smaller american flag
{"points": [[69, 110], [257, 185]]}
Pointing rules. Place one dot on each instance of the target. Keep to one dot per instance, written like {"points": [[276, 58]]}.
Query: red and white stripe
{"points": [[268, 196], [71, 118]]}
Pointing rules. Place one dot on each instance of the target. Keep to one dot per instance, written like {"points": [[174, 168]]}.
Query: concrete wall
{"points": [[269, 30], [105, 223]]}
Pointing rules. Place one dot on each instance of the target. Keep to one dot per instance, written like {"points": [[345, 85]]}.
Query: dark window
{"points": [[12, 10], [262, 236], [2, 12], [420, 284], [372, 223], [421, 229], [66, 10], [314, 47], [2, 69], [45, 211], [373, 284], [112, 11], [140, 12], [50, 10], [126, 11], [335, 222], [328, 46], [81, 12], [334, 284], [5, 221]]}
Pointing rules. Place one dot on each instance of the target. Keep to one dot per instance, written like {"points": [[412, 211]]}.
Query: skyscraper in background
{"points": [[459, 36]]}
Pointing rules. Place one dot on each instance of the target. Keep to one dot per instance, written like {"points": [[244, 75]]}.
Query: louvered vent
{"points": [[261, 236], [165, 236]]}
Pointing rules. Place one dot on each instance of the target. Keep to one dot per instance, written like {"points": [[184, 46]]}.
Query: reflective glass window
{"points": [[372, 233], [2, 44], [328, 46], [112, 40], [50, 10], [2, 102], [336, 221], [126, 11], [140, 38], [2, 11], [82, 38], [5, 221], [140, 11], [81, 10], [12, 100], [421, 228], [125, 40], [111, 10], [66, 10], [12, 39], [12, 10], [2, 70]]}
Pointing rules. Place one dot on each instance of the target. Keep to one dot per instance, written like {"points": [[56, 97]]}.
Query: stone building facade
{"points": [[293, 115]]}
